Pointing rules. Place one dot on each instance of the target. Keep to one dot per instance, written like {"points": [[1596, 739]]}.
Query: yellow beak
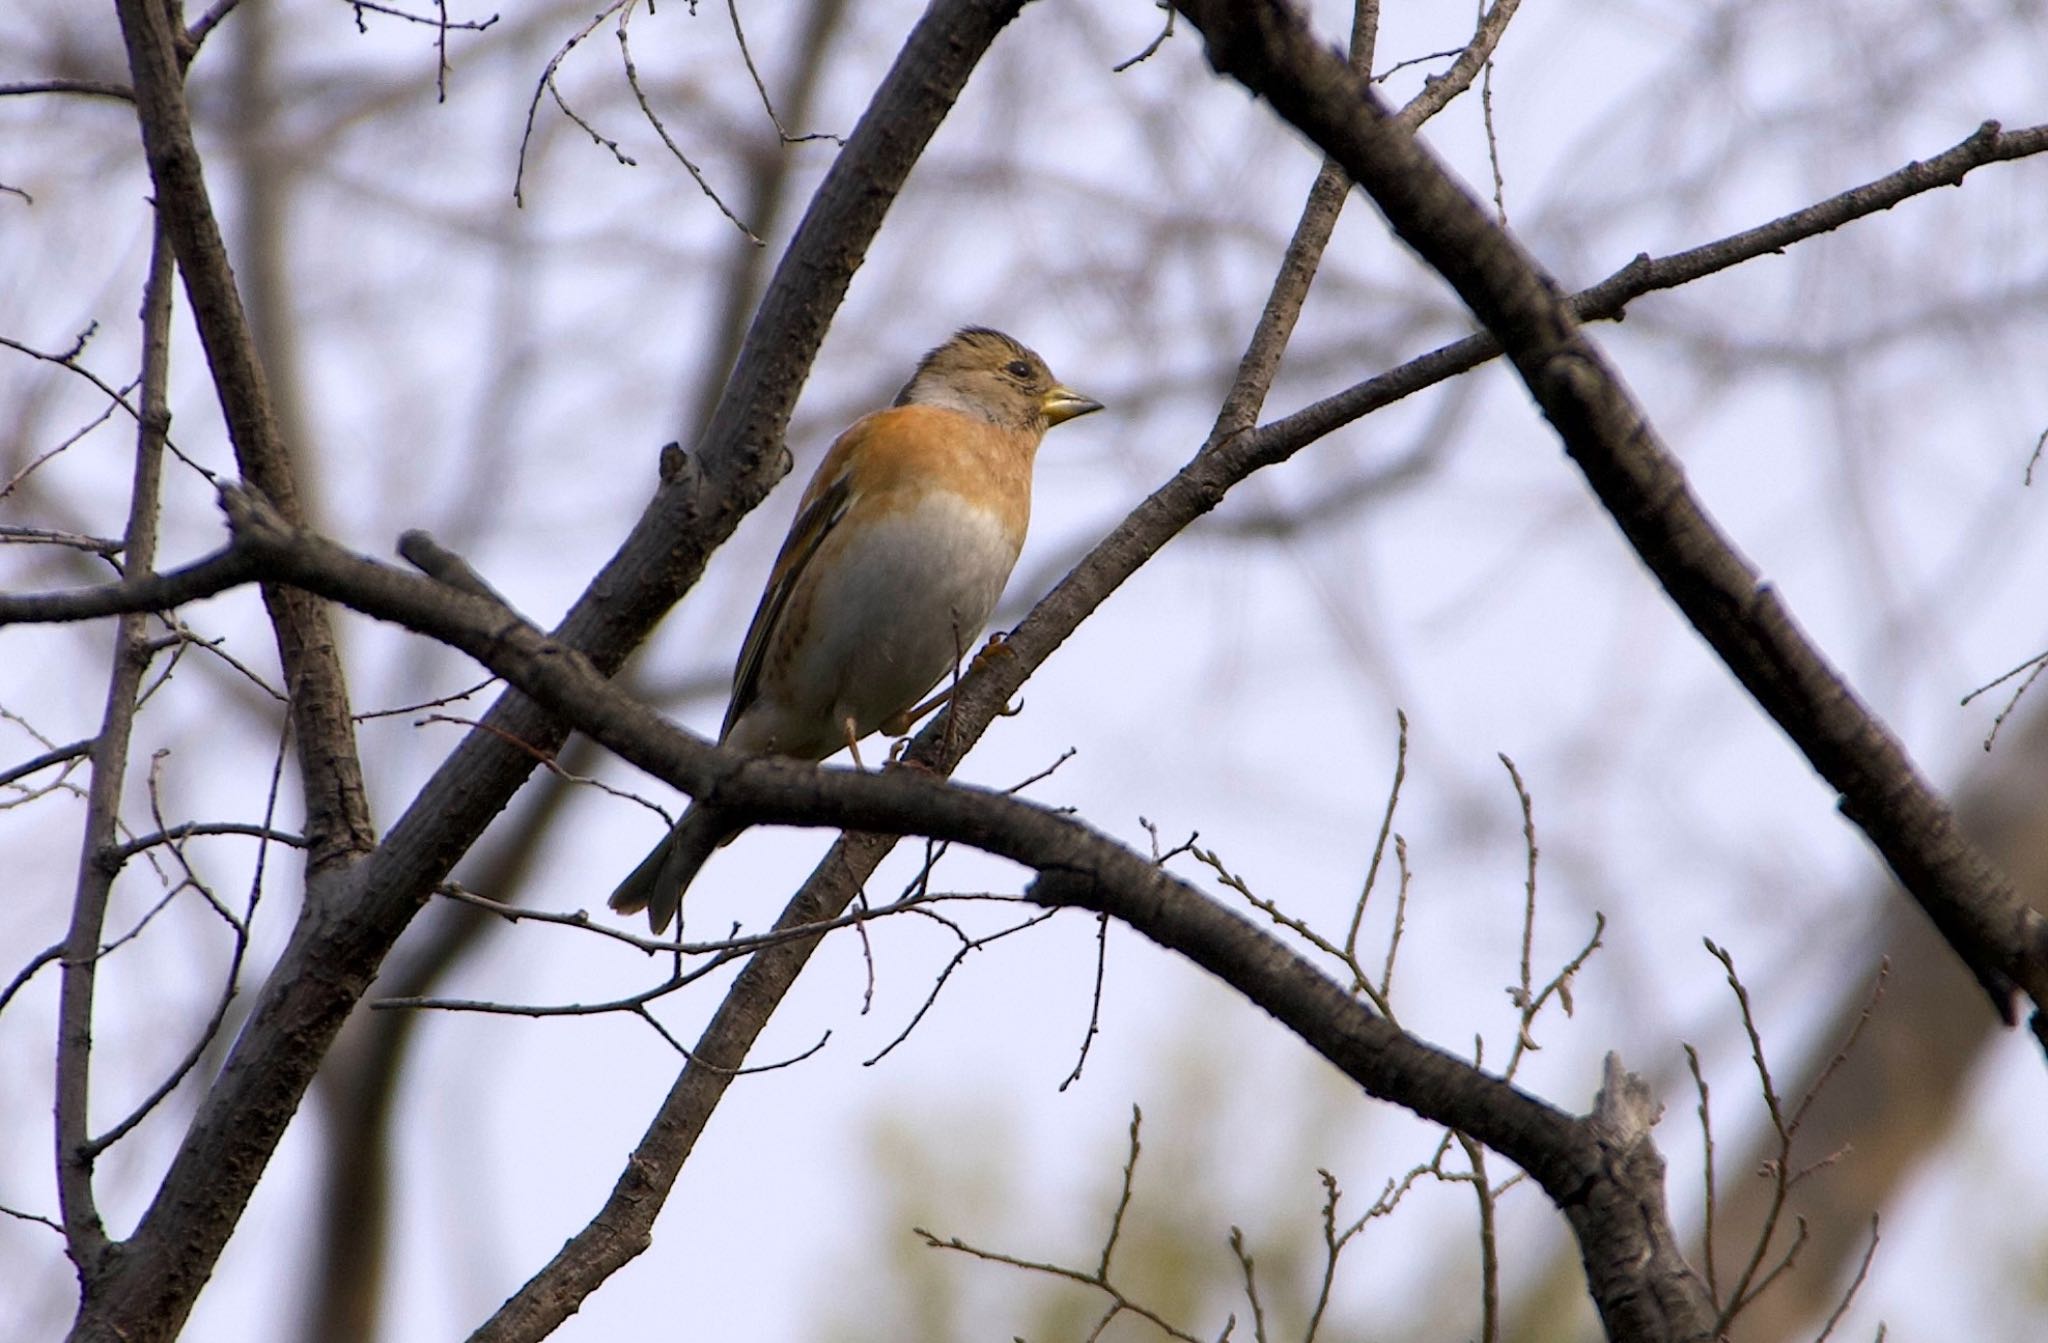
{"points": [[1061, 404]]}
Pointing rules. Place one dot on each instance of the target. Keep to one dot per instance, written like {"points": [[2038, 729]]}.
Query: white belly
{"points": [[900, 602]]}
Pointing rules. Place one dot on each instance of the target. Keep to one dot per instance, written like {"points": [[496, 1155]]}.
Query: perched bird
{"points": [[900, 548]]}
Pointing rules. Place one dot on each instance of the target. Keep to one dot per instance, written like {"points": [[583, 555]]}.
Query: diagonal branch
{"points": [[1269, 48]]}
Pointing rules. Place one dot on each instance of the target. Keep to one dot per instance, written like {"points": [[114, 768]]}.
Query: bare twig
{"points": [[96, 545], [739, 33], [546, 759], [1707, 1181], [1400, 919], [968, 946], [661, 129], [438, 702], [1150, 48], [2032, 668], [1489, 1241], [1094, 1001], [1855, 1285], [84, 1235], [121, 853], [1120, 1303], [20, 1216], [545, 86], [1379, 849], [1251, 1284], [1754, 1281], [196, 33], [1474, 56], [336, 803], [46, 956]]}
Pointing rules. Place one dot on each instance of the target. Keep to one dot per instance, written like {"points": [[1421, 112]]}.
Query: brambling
{"points": [[901, 545]]}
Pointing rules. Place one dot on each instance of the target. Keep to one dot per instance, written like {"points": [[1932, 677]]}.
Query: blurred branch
{"points": [[1270, 49]]}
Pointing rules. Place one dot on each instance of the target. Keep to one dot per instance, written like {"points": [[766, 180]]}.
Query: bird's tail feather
{"points": [[657, 885]]}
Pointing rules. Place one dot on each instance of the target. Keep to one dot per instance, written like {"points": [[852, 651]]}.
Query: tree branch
{"points": [[337, 808], [142, 591], [85, 1237], [1269, 48]]}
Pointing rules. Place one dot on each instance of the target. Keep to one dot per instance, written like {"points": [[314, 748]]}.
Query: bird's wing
{"points": [[822, 510]]}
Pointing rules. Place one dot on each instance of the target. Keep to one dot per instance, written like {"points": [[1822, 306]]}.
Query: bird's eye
{"points": [[1017, 368]]}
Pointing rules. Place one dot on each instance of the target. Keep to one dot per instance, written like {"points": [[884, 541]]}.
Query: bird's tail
{"points": [[657, 885]]}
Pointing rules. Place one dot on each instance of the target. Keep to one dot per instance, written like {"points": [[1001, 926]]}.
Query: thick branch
{"points": [[1268, 47]]}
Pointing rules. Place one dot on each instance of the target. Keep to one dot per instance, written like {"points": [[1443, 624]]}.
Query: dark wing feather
{"points": [[806, 534]]}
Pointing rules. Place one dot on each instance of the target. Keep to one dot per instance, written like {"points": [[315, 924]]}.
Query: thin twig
{"points": [[1251, 1286], [661, 129], [739, 33], [1119, 1302], [1475, 55], [27, 972], [546, 85], [90, 88], [1707, 1181], [1855, 1285], [1094, 1000], [967, 947], [1379, 844], [548, 761], [1152, 47]]}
